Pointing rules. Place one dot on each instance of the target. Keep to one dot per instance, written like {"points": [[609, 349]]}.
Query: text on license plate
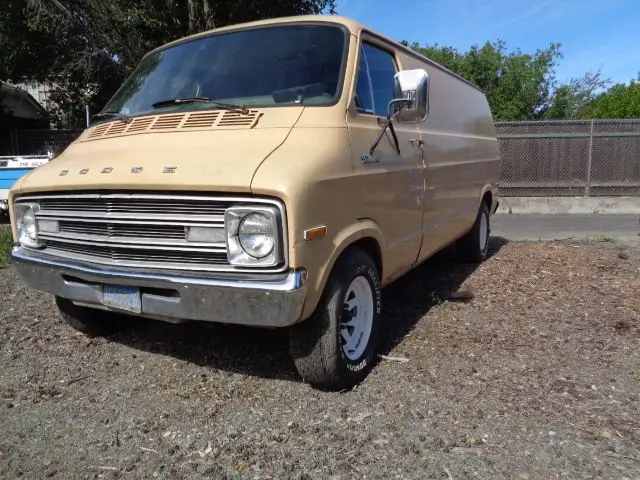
{"points": [[123, 298]]}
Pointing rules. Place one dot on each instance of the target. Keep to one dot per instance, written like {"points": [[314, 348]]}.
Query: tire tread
{"points": [[313, 346]]}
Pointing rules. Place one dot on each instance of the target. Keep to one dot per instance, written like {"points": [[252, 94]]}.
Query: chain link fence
{"points": [[539, 159], [570, 158]]}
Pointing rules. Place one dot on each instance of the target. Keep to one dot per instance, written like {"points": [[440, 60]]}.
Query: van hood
{"points": [[204, 159]]}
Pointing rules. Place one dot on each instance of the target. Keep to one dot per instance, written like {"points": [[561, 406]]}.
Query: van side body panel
{"points": [[461, 158], [389, 190], [411, 206]]}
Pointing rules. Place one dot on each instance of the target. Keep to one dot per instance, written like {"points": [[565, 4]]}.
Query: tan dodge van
{"points": [[271, 174]]}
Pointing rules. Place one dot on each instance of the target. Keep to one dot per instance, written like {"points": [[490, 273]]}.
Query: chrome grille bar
{"points": [[135, 204], [115, 243], [62, 215], [141, 230], [123, 229], [135, 257], [127, 233]]}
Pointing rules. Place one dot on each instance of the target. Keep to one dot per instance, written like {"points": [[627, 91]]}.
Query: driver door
{"points": [[389, 185]]}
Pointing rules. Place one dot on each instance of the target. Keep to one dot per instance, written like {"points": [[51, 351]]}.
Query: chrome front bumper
{"points": [[268, 300]]}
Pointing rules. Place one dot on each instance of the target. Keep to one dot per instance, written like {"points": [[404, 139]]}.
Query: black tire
{"points": [[316, 344], [470, 248], [90, 321]]}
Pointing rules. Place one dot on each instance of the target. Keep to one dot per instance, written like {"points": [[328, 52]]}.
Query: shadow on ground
{"points": [[264, 353], [409, 299]]}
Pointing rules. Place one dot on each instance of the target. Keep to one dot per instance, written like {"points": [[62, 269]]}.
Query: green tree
{"points": [[620, 101], [570, 100], [518, 85]]}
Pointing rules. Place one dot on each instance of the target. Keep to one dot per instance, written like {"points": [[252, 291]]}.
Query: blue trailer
{"points": [[11, 169]]}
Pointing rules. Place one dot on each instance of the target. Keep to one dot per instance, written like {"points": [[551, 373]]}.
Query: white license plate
{"points": [[122, 298]]}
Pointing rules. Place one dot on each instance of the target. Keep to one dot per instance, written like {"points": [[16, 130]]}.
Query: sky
{"points": [[594, 34]]}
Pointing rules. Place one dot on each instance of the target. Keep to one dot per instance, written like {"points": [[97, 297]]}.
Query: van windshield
{"points": [[269, 66]]}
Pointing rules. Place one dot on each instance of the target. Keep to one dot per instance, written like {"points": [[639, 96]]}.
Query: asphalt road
{"points": [[623, 228]]}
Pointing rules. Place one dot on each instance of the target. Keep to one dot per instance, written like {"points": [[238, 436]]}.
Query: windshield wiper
{"points": [[118, 115], [179, 101]]}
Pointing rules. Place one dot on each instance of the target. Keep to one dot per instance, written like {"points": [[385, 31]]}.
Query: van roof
{"points": [[353, 26]]}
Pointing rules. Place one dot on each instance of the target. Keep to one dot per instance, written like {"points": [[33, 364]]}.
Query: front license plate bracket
{"points": [[127, 299]]}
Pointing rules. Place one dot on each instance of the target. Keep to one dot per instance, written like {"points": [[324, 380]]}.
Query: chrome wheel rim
{"points": [[484, 232], [357, 318]]}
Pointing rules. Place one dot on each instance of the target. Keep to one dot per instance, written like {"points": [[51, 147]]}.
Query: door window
{"points": [[374, 89]]}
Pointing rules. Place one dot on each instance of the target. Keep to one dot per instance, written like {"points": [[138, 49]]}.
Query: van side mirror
{"points": [[410, 103], [411, 96]]}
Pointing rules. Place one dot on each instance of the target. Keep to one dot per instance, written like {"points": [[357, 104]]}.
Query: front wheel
{"points": [[336, 347], [90, 321]]}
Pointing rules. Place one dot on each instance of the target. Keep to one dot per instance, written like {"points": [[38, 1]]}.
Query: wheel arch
{"points": [[490, 197], [364, 234]]}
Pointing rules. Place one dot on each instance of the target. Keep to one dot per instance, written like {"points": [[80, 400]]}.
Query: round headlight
{"points": [[29, 224], [256, 235]]}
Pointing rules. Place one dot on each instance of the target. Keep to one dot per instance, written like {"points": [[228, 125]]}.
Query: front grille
{"points": [[134, 205], [130, 256], [139, 230], [128, 230]]}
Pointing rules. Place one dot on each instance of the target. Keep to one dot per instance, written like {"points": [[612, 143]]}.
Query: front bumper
{"points": [[271, 300]]}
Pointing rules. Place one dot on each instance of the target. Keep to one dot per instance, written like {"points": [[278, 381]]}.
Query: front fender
{"points": [[320, 256]]}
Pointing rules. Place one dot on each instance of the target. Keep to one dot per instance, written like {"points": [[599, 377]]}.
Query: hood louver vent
{"points": [[140, 124], [232, 119], [99, 130], [202, 120], [167, 122], [196, 120], [116, 128]]}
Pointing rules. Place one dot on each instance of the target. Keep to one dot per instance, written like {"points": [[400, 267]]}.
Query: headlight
{"points": [[26, 224], [256, 235], [253, 236]]}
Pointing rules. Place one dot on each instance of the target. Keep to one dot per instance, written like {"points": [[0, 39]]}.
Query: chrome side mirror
{"points": [[411, 96]]}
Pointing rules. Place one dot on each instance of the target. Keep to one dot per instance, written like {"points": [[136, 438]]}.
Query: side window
{"points": [[364, 94], [381, 68]]}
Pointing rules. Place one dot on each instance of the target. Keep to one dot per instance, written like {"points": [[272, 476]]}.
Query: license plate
{"points": [[122, 298]]}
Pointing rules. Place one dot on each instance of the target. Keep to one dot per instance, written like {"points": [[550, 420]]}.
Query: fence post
{"points": [[587, 188]]}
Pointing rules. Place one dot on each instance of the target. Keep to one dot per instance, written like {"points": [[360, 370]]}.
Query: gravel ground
{"points": [[536, 377]]}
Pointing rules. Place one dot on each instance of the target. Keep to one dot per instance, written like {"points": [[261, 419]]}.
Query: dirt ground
{"points": [[537, 377]]}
